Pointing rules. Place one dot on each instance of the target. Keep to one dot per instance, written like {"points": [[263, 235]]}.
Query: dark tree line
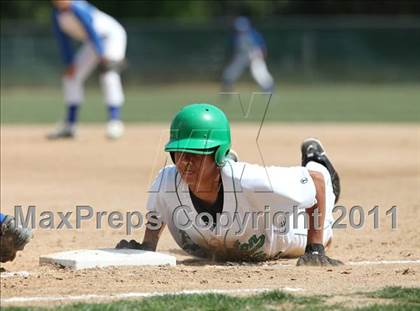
{"points": [[207, 10]]}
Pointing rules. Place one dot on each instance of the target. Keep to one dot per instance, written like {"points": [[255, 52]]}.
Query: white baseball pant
{"points": [[257, 66], [85, 62]]}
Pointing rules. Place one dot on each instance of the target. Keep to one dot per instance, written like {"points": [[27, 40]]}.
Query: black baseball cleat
{"points": [[13, 238], [63, 131], [312, 150]]}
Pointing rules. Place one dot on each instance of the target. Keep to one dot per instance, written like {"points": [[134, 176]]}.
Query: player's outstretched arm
{"points": [[150, 240], [315, 251]]}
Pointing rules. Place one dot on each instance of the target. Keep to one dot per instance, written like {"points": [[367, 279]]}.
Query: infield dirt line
{"points": [[23, 274], [351, 263]]}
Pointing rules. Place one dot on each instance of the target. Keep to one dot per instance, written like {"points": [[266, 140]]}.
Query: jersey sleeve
{"points": [[64, 41], [298, 185], [282, 188], [83, 13], [163, 185], [154, 201]]}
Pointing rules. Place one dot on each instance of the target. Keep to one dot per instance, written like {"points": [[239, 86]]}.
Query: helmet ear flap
{"points": [[220, 155]]}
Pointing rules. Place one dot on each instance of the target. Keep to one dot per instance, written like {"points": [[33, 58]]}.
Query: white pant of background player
{"points": [[86, 60], [255, 61]]}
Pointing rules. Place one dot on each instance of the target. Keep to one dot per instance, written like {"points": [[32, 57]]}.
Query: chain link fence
{"points": [[300, 50]]}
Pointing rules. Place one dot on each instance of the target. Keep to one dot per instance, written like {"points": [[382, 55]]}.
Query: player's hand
{"points": [[264, 54], [70, 71], [106, 65], [315, 256], [103, 61], [133, 244]]}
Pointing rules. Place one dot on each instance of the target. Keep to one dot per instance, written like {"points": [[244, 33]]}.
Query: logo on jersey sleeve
{"points": [[304, 180]]}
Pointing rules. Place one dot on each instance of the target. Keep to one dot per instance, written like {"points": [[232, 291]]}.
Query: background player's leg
{"points": [[85, 61], [261, 75], [233, 71], [110, 79], [114, 97]]}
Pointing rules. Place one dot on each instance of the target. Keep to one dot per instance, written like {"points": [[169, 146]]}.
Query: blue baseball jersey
{"points": [[82, 22], [244, 42]]}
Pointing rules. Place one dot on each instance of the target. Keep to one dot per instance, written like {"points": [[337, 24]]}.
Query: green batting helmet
{"points": [[200, 129]]}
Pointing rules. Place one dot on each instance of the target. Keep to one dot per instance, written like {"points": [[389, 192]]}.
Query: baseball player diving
{"points": [[249, 50], [104, 43], [219, 208], [13, 238]]}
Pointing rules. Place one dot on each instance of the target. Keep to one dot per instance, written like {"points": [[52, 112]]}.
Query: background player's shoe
{"points": [[13, 238], [63, 131], [312, 150], [114, 129]]}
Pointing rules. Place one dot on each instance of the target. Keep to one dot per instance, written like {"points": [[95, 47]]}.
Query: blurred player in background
{"points": [[12, 237], [249, 49], [104, 43]]}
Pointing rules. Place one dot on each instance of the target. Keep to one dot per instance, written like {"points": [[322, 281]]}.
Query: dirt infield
{"points": [[379, 165]]}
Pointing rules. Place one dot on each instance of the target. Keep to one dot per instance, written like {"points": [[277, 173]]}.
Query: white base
{"points": [[105, 257]]}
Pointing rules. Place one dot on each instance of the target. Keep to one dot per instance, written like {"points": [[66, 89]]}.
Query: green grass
{"points": [[292, 103], [398, 293], [265, 301], [397, 299]]}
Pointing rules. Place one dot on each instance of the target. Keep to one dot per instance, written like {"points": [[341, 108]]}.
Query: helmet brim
{"points": [[196, 146], [194, 151]]}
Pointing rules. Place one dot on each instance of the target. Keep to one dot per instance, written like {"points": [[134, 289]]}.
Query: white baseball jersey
{"points": [[257, 221]]}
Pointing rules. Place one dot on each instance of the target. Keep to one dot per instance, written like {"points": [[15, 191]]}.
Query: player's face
{"points": [[195, 168], [61, 4]]}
